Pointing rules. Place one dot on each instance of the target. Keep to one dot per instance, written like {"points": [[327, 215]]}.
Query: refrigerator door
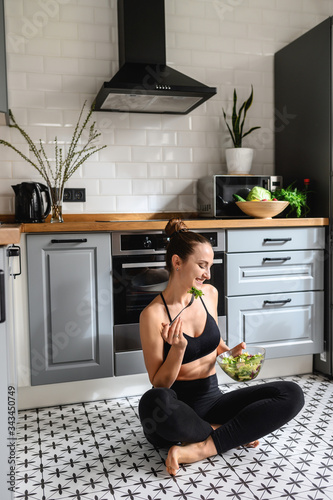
{"points": [[303, 139], [303, 89]]}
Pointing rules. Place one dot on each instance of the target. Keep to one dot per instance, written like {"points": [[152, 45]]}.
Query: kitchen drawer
{"points": [[129, 363], [257, 240], [288, 325], [274, 272]]}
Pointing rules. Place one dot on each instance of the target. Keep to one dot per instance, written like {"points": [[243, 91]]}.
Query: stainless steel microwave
{"points": [[215, 193]]}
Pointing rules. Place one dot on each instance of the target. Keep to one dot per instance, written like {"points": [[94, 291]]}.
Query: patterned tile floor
{"points": [[96, 450]]}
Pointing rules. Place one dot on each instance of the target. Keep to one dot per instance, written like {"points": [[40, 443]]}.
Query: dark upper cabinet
{"points": [[3, 70]]}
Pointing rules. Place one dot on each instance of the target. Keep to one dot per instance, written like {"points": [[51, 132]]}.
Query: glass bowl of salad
{"points": [[245, 367]]}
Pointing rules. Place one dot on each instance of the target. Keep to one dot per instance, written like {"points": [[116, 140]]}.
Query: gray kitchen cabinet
{"points": [[70, 314], [275, 289]]}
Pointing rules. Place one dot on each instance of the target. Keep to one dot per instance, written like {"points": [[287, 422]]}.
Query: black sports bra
{"points": [[198, 347]]}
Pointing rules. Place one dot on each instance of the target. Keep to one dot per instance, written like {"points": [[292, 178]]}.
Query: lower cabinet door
{"points": [[70, 322], [285, 324]]}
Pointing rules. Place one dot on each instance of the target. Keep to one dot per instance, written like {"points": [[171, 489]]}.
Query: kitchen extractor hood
{"points": [[144, 83]]}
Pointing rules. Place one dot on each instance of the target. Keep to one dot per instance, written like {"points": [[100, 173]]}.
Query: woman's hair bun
{"points": [[175, 226]]}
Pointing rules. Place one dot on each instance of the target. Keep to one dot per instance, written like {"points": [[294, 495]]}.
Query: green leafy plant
{"points": [[57, 171], [297, 200], [197, 293], [236, 129]]}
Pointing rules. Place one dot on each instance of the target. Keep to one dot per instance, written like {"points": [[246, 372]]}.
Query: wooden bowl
{"points": [[262, 209]]}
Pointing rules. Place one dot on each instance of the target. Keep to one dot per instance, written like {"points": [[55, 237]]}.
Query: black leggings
{"points": [[184, 412]]}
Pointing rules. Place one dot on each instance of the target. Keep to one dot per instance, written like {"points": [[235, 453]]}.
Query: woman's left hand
{"points": [[237, 350]]}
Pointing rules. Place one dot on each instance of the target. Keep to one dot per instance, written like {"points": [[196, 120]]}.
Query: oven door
{"points": [[136, 282]]}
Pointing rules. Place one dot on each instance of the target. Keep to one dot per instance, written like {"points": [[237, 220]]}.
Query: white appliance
{"points": [[8, 384]]}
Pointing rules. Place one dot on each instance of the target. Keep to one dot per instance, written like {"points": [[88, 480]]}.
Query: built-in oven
{"points": [[138, 275]]}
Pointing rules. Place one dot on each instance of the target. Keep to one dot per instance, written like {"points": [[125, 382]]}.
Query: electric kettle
{"points": [[32, 202]]}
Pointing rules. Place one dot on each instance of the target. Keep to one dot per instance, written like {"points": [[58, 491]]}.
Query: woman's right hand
{"points": [[174, 334]]}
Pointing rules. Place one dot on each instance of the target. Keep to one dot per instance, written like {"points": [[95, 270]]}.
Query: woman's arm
{"points": [[211, 302], [153, 333]]}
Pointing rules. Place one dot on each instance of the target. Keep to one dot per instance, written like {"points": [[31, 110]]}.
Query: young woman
{"points": [[185, 411]]}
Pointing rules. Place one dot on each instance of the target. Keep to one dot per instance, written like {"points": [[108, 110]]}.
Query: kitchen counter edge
{"points": [[10, 233], [150, 225]]}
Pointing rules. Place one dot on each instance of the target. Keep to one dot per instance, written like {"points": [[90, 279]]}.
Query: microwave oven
{"points": [[215, 193]]}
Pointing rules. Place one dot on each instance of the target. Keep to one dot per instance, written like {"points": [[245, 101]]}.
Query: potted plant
{"points": [[56, 171], [239, 159]]}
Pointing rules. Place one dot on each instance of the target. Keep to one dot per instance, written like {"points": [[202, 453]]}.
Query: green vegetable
{"points": [[297, 200], [197, 293], [241, 368], [238, 198], [259, 193]]}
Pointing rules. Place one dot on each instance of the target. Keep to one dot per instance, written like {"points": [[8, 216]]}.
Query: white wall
{"points": [[59, 52]]}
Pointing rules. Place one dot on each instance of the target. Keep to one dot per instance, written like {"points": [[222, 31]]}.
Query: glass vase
{"points": [[56, 204]]}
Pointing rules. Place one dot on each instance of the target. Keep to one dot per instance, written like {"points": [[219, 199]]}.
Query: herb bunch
{"points": [[297, 200]]}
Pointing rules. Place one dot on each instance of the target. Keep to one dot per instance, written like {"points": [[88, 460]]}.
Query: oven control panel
{"points": [[134, 243]]}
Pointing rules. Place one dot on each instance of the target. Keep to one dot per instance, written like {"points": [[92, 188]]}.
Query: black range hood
{"points": [[144, 83]]}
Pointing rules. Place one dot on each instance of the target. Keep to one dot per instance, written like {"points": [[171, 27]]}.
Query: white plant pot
{"points": [[239, 160]]}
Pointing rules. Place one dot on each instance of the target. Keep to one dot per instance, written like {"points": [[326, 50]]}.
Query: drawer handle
{"points": [[274, 302], [276, 240], [74, 240], [275, 259]]}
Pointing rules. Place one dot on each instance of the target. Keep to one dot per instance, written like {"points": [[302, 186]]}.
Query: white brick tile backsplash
{"points": [[177, 154], [162, 171], [172, 186], [153, 153], [147, 186], [131, 171], [77, 48], [59, 53], [116, 187], [132, 204], [6, 170], [64, 30], [163, 203], [61, 65], [44, 83], [25, 63], [99, 204], [161, 138], [98, 170], [88, 32], [130, 137], [75, 12]]}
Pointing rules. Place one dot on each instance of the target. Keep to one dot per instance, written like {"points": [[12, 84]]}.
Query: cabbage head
{"points": [[259, 193]]}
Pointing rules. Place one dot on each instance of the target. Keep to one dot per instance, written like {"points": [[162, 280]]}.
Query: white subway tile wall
{"points": [[59, 52]]}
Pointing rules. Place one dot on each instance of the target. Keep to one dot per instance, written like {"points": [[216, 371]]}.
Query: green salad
{"points": [[197, 293], [241, 368]]}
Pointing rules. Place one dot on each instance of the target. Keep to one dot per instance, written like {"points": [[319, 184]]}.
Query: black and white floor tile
{"points": [[96, 450]]}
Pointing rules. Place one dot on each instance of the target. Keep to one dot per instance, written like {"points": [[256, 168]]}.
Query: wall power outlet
{"points": [[74, 194]]}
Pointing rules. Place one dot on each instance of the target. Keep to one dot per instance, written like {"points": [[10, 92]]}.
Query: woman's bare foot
{"points": [[188, 454], [253, 444]]}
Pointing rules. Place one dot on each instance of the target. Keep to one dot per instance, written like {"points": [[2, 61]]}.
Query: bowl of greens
{"points": [[262, 209], [245, 367]]}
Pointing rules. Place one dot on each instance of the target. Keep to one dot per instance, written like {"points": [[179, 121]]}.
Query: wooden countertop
{"points": [[10, 233], [102, 223]]}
